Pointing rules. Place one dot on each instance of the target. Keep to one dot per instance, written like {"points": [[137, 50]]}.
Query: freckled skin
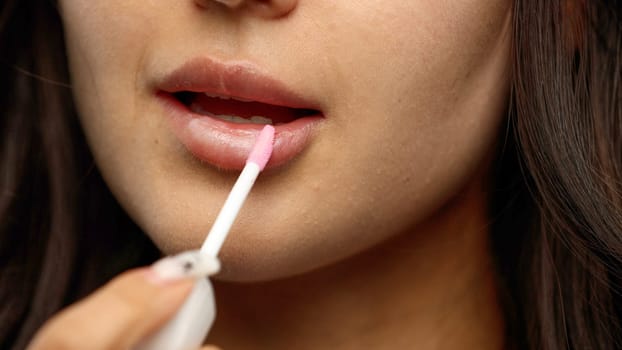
{"points": [[413, 93]]}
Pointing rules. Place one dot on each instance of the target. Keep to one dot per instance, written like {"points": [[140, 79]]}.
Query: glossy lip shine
{"points": [[223, 144]]}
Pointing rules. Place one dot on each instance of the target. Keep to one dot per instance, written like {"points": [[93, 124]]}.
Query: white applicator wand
{"points": [[189, 327]]}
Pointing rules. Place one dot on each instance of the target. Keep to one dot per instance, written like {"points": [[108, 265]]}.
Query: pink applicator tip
{"points": [[263, 147]]}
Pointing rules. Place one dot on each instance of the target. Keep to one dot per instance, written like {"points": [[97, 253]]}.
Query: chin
{"points": [[256, 260], [245, 257]]}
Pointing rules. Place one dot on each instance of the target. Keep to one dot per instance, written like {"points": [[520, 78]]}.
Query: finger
{"points": [[116, 316]]}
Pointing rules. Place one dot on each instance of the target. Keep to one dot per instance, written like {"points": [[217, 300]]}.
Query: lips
{"points": [[217, 110]]}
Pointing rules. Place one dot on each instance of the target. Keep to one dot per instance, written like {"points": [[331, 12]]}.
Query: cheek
{"points": [[105, 43], [423, 103], [417, 112], [102, 34], [417, 78]]}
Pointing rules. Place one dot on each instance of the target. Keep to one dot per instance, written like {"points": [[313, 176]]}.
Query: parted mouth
{"points": [[236, 92], [217, 108], [240, 111]]}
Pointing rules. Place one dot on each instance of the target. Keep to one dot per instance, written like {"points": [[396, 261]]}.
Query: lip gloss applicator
{"points": [[189, 327]]}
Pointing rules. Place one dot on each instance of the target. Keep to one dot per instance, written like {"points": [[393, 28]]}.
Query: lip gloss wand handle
{"points": [[189, 327]]}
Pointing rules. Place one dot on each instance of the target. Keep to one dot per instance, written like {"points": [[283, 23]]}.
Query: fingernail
{"points": [[190, 264]]}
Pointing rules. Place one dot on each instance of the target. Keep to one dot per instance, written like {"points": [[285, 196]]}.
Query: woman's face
{"points": [[387, 110]]}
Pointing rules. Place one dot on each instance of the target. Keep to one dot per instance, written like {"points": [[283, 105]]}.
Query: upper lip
{"points": [[234, 79]]}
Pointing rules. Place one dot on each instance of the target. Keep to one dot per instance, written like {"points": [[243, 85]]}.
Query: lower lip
{"points": [[227, 145]]}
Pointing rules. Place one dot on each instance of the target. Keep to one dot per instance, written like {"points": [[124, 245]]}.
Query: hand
{"points": [[118, 315]]}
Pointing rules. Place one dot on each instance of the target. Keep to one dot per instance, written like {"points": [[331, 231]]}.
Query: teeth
{"points": [[232, 118], [261, 120], [241, 99], [216, 96], [227, 97], [196, 108], [240, 120]]}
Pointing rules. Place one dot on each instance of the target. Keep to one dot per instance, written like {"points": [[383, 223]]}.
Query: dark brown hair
{"points": [[556, 201], [52, 199]]}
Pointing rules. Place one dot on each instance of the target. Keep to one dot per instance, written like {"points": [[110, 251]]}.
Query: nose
{"points": [[263, 8]]}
